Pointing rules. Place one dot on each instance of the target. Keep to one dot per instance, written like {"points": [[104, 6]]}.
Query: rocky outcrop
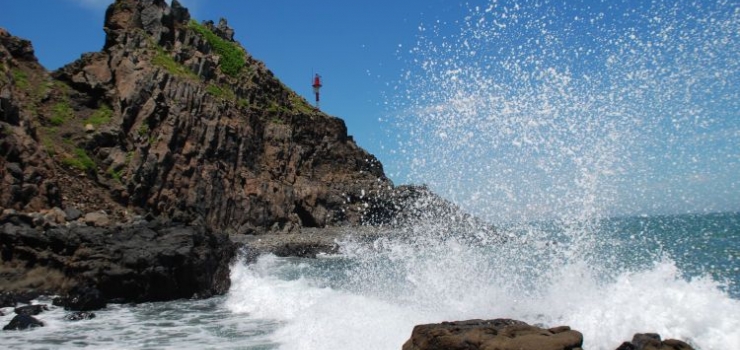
{"points": [[652, 341], [79, 316], [409, 207], [138, 262], [31, 310], [507, 334], [501, 334], [27, 179], [20, 322], [173, 118], [171, 121]]}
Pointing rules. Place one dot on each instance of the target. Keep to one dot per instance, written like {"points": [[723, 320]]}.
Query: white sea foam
{"points": [[324, 305]]}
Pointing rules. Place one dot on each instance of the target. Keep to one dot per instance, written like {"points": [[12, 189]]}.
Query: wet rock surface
{"points": [[508, 334], [89, 265], [21, 322], [82, 299], [11, 299], [79, 316], [652, 341], [31, 310], [500, 334]]}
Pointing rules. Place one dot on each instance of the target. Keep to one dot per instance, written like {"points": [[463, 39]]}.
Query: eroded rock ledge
{"points": [[508, 334], [144, 261]]}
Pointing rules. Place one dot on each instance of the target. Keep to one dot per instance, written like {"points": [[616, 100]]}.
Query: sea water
{"points": [[675, 275]]}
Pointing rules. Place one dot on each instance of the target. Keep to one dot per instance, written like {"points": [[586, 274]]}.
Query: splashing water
{"points": [[547, 117], [576, 110], [372, 295]]}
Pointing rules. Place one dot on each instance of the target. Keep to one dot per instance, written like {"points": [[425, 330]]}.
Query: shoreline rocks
{"points": [[508, 334], [20, 322], [89, 266], [25, 317], [500, 334], [652, 341]]}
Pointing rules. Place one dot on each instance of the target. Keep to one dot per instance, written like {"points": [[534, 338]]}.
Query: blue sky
{"points": [[515, 109]]}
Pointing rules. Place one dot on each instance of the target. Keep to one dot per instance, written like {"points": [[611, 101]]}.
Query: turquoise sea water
{"points": [[675, 275]]}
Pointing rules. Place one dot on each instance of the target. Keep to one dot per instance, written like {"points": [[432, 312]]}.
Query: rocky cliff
{"points": [[173, 118]]}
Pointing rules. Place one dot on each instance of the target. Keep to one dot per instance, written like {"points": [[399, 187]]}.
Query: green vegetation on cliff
{"points": [[100, 116], [232, 57], [61, 112], [299, 104], [221, 92], [80, 160], [21, 78], [165, 61]]}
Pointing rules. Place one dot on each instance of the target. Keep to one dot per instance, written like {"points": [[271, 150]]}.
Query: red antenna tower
{"points": [[316, 87]]}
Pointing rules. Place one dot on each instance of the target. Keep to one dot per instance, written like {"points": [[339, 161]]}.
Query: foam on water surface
{"points": [[317, 309]]}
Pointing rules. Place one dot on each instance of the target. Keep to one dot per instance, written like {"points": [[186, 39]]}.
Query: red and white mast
{"points": [[316, 86]]}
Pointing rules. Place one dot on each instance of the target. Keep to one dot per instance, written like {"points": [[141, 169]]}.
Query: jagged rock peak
{"points": [[17, 48], [155, 17], [222, 29]]}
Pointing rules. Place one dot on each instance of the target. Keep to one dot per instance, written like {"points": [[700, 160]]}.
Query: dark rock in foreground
{"points": [[79, 316], [83, 298], [31, 310], [20, 322], [507, 334], [11, 299], [91, 265], [651, 341], [500, 334]]}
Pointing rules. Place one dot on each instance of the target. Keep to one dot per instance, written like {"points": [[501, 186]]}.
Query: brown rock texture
{"points": [[498, 334], [27, 178], [174, 119], [652, 341]]}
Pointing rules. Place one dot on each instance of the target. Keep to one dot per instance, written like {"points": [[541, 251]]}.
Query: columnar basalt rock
{"points": [[171, 121], [27, 180], [175, 119]]}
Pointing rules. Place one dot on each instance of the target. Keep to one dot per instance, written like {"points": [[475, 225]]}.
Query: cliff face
{"points": [[176, 119]]}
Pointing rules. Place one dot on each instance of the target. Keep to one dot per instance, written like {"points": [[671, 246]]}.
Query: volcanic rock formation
{"points": [[508, 334], [121, 172], [174, 119], [503, 334]]}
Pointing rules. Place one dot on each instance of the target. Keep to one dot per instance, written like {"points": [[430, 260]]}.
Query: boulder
{"points": [[55, 215], [72, 213], [11, 299], [79, 316], [20, 322], [97, 219], [82, 299], [91, 266], [31, 310], [652, 341], [500, 334]]}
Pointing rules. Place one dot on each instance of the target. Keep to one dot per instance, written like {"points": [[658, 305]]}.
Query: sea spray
{"points": [[574, 110], [546, 118], [371, 295]]}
